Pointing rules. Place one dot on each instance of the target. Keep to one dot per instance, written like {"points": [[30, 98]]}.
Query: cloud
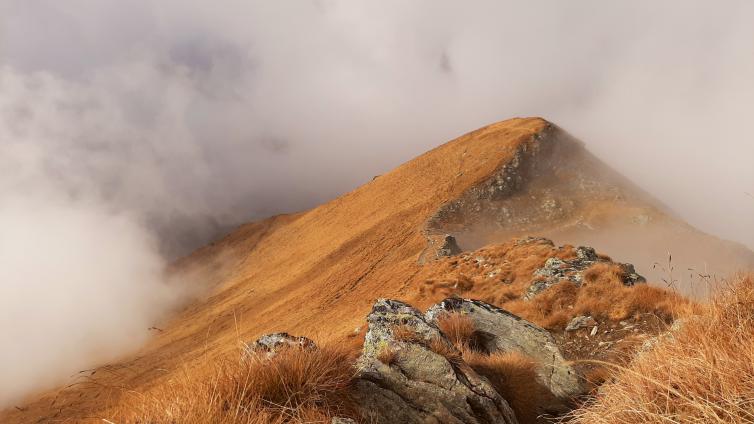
{"points": [[146, 127]]}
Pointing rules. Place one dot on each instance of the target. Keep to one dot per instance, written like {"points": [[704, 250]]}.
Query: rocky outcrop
{"points": [[410, 373], [486, 197], [556, 270], [439, 246], [270, 344], [500, 331]]}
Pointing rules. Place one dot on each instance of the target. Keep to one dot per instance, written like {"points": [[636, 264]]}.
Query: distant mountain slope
{"points": [[318, 272]]}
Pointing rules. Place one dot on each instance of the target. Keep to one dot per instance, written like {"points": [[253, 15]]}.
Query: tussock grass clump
{"points": [[458, 328], [296, 386], [441, 347], [603, 296], [387, 356], [514, 376], [703, 373], [404, 333]]}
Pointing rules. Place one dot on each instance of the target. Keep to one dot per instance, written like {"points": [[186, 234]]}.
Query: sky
{"points": [[132, 132]]}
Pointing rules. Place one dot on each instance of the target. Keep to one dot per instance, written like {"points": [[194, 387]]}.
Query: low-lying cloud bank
{"points": [[132, 131]]}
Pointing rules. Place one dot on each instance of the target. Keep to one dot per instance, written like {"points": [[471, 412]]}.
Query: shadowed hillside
{"points": [[319, 272]]}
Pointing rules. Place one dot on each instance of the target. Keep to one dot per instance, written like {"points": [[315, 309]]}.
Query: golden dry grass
{"points": [[441, 347], [387, 356], [459, 329], [404, 333], [603, 296], [296, 386], [514, 376], [704, 373]]}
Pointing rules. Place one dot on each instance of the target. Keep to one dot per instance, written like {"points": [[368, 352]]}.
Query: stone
{"points": [[580, 322], [498, 330], [556, 270], [270, 344], [448, 246], [422, 385], [439, 246]]}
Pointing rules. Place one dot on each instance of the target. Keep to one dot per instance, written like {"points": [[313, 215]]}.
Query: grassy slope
{"points": [[315, 273]]}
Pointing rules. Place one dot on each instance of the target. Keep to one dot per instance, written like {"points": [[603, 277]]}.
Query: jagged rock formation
{"points": [[270, 344], [501, 331], [423, 381], [552, 179], [556, 270]]}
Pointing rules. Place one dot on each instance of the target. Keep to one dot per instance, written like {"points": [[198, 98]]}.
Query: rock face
{"points": [[556, 270], [422, 382], [269, 344], [499, 330]]}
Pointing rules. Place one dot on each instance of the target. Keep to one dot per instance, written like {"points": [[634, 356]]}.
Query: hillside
{"points": [[319, 272]]}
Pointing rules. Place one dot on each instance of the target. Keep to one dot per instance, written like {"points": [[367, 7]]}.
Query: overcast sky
{"points": [[163, 122]]}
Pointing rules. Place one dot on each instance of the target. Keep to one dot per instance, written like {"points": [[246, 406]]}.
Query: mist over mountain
{"points": [[133, 132], [197, 117]]}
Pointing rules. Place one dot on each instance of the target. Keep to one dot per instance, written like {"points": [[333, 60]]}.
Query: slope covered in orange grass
{"points": [[319, 272]]}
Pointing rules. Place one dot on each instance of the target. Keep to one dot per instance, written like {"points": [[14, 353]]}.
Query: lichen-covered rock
{"points": [[270, 344], [580, 322], [422, 383], [501, 331], [556, 270]]}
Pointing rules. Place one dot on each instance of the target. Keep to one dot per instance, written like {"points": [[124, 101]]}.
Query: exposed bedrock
{"points": [[410, 373], [556, 270], [500, 331]]}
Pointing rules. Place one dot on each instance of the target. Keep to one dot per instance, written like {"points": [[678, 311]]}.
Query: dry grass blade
{"points": [[703, 373], [296, 386], [458, 328]]}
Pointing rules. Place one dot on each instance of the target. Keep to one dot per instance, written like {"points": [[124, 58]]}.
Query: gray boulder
{"points": [[498, 330], [270, 344], [424, 379], [556, 270]]}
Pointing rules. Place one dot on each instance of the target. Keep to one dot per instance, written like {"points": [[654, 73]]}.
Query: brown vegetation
{"points": [[603, 296], [294, 386], [448, 351], [387, 355], [459, 329], [702, 373], [514, 376], [404, 333]]}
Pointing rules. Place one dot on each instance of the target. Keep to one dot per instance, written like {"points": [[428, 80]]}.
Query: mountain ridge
{"points": [[318, 272]]}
